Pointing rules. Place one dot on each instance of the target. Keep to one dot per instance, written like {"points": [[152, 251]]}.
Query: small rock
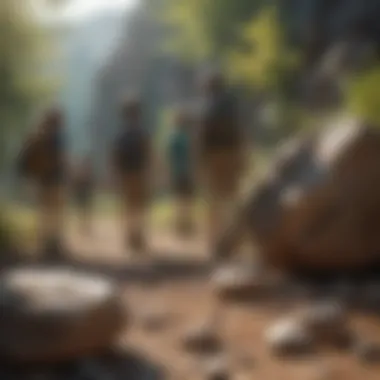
{"points": [[217, 370], [234, 282], [368, 352], [289, 337], [57, 315]]}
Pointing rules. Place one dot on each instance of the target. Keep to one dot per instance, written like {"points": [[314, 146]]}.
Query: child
{"points": [[132, 163], [181, 171], [83, 192], [221, 145], [42, 160]]}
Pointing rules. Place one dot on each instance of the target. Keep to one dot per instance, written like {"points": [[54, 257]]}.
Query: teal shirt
{"points": [[179, 154]]}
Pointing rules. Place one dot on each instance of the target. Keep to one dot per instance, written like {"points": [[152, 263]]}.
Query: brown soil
{"points": [[190, 300]]}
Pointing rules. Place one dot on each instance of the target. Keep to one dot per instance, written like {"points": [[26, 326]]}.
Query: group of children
{"points": [[206, 152]]}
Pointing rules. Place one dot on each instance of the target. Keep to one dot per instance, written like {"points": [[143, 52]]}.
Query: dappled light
{"points": [[189, 189]]}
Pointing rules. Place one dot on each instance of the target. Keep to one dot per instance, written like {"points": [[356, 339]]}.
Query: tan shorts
{"points": [[222, 170], [135, 190]]}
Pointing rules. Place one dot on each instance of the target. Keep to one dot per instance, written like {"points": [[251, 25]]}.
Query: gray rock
{"points": [[216, 369], [238, 280], [288, 337], [56, 315]]}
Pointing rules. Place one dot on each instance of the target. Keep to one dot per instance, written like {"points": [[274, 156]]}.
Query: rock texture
{"points": [[238, 281], [318, 207], [54, 315]]}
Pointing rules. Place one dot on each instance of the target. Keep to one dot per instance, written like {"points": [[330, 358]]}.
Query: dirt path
{"points": [[188, 301]]}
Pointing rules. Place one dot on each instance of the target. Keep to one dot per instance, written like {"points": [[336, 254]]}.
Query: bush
{"points": [[363, 95]]}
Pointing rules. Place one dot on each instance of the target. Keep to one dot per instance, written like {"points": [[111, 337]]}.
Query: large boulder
{"points": [[54, 315], [319, 206]]}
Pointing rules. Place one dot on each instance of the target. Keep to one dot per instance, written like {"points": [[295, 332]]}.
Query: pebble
{"points": [[216, 369], [237, 281], [288, 337]]}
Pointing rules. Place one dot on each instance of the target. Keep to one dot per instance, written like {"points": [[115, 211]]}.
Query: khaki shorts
{"points": [[135, 190], [222, 171]]}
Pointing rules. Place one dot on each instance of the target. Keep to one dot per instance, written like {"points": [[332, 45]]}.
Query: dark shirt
{"points": [[219, 122], [42, 157], [131, 150]]}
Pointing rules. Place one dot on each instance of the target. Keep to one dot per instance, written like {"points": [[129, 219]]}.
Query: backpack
{"points": [[40, 156], [131, 150], [219, 122]]}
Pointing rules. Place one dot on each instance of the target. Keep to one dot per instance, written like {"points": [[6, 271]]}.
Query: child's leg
{"points": [[136, 205], [184, 206], [51, 215], [86, 216]]}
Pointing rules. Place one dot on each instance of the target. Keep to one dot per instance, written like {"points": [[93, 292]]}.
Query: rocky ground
{"points": [[280, 329]]}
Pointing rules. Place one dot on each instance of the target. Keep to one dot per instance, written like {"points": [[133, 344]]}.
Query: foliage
{"points": [[363, 95], [187, 21], [261, 60], [25, 52], [202, 30]]}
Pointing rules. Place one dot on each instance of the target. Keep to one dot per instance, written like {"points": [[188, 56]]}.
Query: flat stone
{"points": [[216, 369], [238, 281], [289, 337], [55, 315]]}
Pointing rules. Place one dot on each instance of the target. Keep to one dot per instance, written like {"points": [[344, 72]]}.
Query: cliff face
{"points": [[336, 37], [87, 46], [137, 64]]}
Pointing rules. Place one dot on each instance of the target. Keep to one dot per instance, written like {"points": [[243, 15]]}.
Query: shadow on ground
{"points": [[151, 269], [115, 364]]}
